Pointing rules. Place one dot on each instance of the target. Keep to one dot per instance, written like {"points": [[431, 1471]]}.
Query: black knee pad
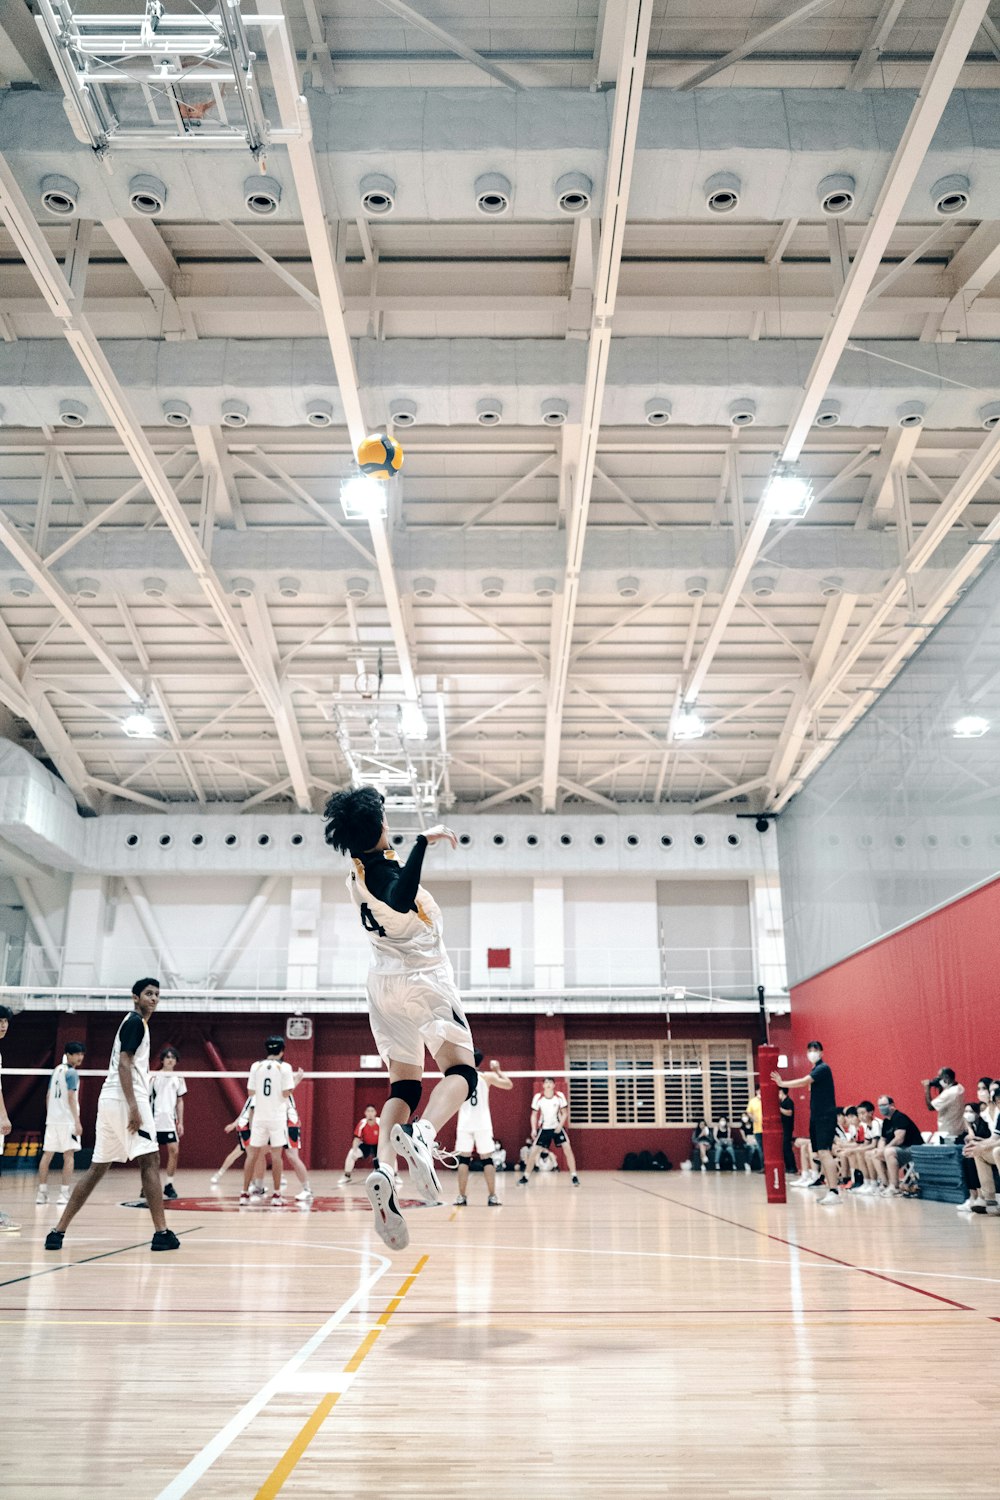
{"points": [[409, 1090], [462, 1070], [466, 1161]]}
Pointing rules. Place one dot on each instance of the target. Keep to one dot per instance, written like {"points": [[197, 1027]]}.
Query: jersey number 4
{"points": [[369, 922]]}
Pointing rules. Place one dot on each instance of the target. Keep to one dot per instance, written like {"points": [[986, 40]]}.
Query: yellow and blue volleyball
{"points": [[380, 456]]}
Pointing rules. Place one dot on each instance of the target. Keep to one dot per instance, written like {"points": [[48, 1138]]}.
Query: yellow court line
{"points": [[288, 1461]]}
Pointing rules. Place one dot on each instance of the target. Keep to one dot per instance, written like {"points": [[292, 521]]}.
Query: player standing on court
{"points": [[125, 1122], [413, 1000], [475, 1132], [270, 1086], [167, 1097], [549, 1113], [63, 1130], [241, 1125], [364, 1145], [6, 1016]]}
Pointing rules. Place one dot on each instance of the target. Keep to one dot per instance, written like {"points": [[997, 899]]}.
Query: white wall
{"points": [[501, 916], [611, 930], [706, 930]]}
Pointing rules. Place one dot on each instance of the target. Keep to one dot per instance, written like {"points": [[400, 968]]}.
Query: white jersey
{"points": [[402, 942], [132, 1036], [165, 1090], [549, 1109], [64, 1080], [268, 1083], [243, 1118], [474, 1117]]}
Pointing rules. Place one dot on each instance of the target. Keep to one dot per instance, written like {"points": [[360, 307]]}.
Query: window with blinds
{"points": [[657, 1082]]}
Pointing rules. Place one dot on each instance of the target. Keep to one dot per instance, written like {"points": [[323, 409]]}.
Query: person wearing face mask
{"points": [[822, 1115], [976, 1129], [949, 1105], [984, 1154], [988, 1094], [899, 1134]]}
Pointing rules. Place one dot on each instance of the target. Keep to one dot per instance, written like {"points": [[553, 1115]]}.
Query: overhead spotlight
{"points": [[950, 195], [970, 727], [493, 194], [554, 411], [544, 588], [763, 586], [828, 414], [319, 414], [362, 498], [658, 411], [262, 195], [787, 494], [242, 588], [138, 725], [489, 411], [289, 588], [910, 414], [722, 193], [73, 414], [574, 192], [235, 414], [60, 195], [836, 194], [989, 415], [86, 589], [21, 587], [177, 414], [154, 588], [627, 587], [402, 412], [378, 195], [696, 587], [357, 589], [762, 825], [742, 412], [424, 588], [688, 725], [492, 587], [147, 194], [412, 724]]}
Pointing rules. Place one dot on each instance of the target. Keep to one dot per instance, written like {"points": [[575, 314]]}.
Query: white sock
{"points": [[429, 1130]]}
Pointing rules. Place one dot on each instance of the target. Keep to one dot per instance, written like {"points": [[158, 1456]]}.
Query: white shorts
{"points": [[114, 1141], [268, 1132], [480, 1141], [59, 1136], [410, 1012]]}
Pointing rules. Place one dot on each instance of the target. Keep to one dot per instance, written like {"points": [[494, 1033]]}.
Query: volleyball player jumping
{"points": [[413, 1001]]}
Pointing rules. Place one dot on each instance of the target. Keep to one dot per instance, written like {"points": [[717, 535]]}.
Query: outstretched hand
{"points": [[440, 833]]}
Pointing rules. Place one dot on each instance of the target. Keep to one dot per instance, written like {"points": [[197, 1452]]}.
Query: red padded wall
{"points": [[922, 999]]}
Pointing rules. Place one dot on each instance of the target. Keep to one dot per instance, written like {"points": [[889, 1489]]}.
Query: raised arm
{"points": [[497, 1078], [792, 1083]]}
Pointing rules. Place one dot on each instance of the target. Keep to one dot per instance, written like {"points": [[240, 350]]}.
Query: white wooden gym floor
{"points": [[645, 1335]]}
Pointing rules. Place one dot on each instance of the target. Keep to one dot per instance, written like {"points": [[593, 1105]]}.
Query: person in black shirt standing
{"points": [[899, 1134], [786, 1108], [822, 1114]]}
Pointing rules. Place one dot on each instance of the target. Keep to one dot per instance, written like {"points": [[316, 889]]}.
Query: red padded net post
{"points": [[774, 1154]]}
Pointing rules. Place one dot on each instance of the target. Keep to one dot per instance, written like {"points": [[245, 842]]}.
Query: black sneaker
{"points": [[54, 1239], [575, 1180], [522, 1182], [460, 1201], [170, 1191], [165, 1239]]}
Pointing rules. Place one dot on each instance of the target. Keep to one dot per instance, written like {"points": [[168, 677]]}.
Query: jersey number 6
{"points": [[266, 1089]]}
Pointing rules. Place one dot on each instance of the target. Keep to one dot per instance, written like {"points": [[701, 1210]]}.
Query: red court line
{"points": [[795, 1245]]}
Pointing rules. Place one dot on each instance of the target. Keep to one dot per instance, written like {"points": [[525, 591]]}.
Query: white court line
{"points": [[316, 1384], [203, 1461]]}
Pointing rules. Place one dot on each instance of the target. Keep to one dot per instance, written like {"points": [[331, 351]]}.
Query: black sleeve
{"points": [[130, 1033], [395, 885]]}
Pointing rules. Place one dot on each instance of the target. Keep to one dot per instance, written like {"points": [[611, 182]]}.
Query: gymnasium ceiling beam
{"points": [[577, 483], [294, 113], [959, 34], [754, 43], [872, 51], [451, 43]]}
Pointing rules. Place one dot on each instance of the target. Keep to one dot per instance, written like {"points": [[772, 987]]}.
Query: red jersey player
{"points": [[364, 1143]]}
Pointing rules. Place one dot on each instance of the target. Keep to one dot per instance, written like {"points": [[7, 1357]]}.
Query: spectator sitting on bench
{"points": [[978, 1132], [753, 1149], [988, 1094], [949, 1106], [725, 1145], [860, 1158], [984, 1153], [899, 1135], [703, 1146], [845, 1140]]}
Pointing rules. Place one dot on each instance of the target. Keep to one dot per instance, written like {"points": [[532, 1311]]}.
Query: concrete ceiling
{"points": [[554, 596]]}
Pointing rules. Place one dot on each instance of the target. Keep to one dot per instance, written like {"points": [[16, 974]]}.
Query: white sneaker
{"points": [[390, 1225], [966, 1207], [277, 1201], [414, 1143], [830, 1197], [305, 1196], [215, 1180], [891, 1192], [343, 1181], [63, 1198], [42, 1196], [994, 1209], [7, 1224]]}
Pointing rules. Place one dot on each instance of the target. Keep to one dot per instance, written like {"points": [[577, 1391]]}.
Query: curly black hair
{"points": [[354, 819]]}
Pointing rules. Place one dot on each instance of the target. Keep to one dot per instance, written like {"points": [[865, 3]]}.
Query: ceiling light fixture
{"points": [[138, 725], [787, 494], [970, 727], [688, 725], [362, 498]]}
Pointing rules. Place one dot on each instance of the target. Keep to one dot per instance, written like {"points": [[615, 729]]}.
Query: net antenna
{"points": [[132, 81]]}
